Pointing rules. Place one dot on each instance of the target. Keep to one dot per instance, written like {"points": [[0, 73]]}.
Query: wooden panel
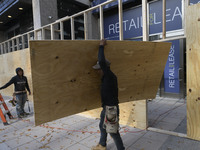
{"points": [[133, 114], [64, 82], [193, 71], [9, 62]]}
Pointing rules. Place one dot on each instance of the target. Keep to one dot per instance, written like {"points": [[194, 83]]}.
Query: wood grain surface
{"points": [[193, 71], [64, 82]]}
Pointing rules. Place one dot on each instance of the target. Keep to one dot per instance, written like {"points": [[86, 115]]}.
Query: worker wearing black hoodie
{"points": [[21, 84]]}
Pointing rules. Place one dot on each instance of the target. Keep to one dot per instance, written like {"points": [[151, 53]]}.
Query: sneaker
{"points": [[99, 147]]}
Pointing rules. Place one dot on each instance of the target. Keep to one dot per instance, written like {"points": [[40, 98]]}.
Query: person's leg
{"points": [[19, 105], [117, 138], [24, 98], [103, 137], [118, 141]]}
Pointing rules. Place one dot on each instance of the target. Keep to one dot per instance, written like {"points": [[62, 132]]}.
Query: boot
{"points": [[99, 147]]}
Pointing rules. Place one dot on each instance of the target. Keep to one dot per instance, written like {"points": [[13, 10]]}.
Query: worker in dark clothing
{"points": [[109, 97], [21, 84]]}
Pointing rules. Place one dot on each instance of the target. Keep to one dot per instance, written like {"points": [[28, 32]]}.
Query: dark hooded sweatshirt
{"points": [[20, 83], [109, 85]]}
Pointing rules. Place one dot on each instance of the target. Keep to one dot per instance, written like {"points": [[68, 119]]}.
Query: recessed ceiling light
{"points": [[20, 8], [9, 16], [1, 21]]}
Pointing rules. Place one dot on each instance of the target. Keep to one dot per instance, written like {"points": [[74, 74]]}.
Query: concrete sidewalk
{"points": [[79, 132]]}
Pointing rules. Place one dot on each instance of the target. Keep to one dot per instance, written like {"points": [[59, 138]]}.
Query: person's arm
{"points": [[101, 57], [27, 86], [8, 84]]}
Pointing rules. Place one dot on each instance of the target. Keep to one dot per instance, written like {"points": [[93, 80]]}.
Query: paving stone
{"points": [[90, 141], [61, 143], [166, 125], [130, 138], [146, 144], [16, 142], [177, 143], [36, 132], [78, 146], [7, 129], [79, 136], [32, 145], [156, 136], [49, 137], [4, 146]]}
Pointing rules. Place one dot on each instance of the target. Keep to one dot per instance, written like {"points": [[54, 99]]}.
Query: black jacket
{"points": [[20, 83], [109, 85]]}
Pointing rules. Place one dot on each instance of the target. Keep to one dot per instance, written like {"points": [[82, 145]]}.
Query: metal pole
{"points": [[101, 22], [35, 35], [72, 29], [187, 2], [120, 9], [23, 42], [13, 45], [1, 52], [164, 20], [5, 47], [17, 41], [9, 49], [144, 20], [43, 34], [86, 25], [28, 39], [52, 32], [61, 31]]}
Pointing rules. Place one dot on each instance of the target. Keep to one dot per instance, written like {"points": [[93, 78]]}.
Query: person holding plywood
{"points": [[109, 99], [21, 84]]}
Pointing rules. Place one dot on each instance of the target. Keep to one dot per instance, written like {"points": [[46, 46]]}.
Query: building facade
{"points": [[19, 16], [173, 82]]}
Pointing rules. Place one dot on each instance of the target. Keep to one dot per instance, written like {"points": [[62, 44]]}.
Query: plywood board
{"points": [[9, 62], [64, 82], [193, 71]]}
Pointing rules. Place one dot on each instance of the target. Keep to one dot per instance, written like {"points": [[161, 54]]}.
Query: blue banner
{"points": [[171, 73], [173, 16], [132, 20]]}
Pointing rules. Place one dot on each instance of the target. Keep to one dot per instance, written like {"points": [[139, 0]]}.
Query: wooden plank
{"points": [[134, 114], [9, 62], [193, 71], [64, 82], [164, 19]]}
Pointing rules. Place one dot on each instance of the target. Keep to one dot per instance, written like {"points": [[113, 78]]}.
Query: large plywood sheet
{"points": [[64, 82], [8, 63], [193, 71]]}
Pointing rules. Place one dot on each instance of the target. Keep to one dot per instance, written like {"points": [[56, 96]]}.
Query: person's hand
{"points": [[103, 42], [29, 93]]}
